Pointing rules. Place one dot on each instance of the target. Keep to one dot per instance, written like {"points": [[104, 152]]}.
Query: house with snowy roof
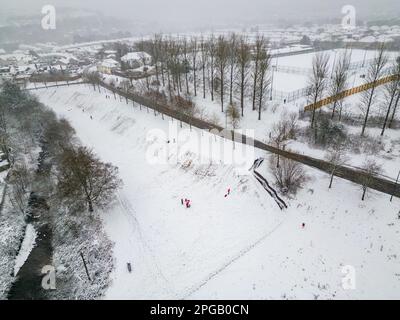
{"points": [[136, 59], [107, 66]]}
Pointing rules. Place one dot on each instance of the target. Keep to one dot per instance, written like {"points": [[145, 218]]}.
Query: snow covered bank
{"points": [[239, 246], [12, 226], [27, 245]]}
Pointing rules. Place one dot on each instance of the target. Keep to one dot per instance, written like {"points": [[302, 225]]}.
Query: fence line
{"points": [[349, 92], [55, 86]]}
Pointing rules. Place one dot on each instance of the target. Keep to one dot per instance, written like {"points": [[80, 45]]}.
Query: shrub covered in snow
{"points": [[12, 227], [289, 174], [74, 234]]}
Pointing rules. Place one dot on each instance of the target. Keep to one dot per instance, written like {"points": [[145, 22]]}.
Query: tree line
{"points": [[79, 176], [218, 67], [324, 81]]}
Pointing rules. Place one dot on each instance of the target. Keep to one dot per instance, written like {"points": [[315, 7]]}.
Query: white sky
{"points": [[164, 11]]}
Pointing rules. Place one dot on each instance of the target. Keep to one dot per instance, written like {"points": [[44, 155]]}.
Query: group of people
{"points": [[228, 192], [83, 110], [186, 202]]}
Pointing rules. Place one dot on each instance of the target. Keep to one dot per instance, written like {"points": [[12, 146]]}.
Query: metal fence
{"points": [[291, 96]]}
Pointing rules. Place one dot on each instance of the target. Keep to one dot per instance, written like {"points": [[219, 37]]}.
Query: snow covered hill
{"points": [[238, 246]]}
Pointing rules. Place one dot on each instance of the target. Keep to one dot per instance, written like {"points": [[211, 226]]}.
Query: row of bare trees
{"points": [[223, 67], [324, 81]]}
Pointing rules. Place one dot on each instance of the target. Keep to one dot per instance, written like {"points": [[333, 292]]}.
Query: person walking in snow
{"points": [[303, 225]]}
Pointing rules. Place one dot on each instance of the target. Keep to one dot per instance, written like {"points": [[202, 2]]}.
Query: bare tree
{"points": [[233, 115], [112, 85], [186, 106], [392, 89], [232, 59], [83, 177], [283, 131], [375, 71], [156, 54], [318, 79], [169, 66], [290, 175], [175, 65], [259, 47], [336, 157], [4, 135], [20, 179], [243, 60], [264, 79], [371, 169], [186, 63], [11, 98], [162, 56], [194, 52], [203, 56], [222, 54], [94, 78], [340, 77], [394, 110], [211, 51]]}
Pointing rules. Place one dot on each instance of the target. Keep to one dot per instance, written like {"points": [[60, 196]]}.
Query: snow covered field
{"points": [[305, 60], [287, 82], [240, 246]]}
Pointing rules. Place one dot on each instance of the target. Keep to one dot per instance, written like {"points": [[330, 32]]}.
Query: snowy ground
{"points": [[305, 60], [26, 247], [12, 226], [240, 246]]}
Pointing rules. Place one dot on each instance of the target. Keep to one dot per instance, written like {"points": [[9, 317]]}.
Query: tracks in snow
{"points": [[281, 203], [229, 262], [130, 215]]}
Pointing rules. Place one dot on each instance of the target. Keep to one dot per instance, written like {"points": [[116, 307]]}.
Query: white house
{"points": [[136, 59]]}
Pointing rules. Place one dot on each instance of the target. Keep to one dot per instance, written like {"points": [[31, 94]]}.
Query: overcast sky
{"points": [[203, 11]]}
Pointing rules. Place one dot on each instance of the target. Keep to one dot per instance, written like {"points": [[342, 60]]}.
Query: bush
{"points": [[289, 174], [327, 133]]}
